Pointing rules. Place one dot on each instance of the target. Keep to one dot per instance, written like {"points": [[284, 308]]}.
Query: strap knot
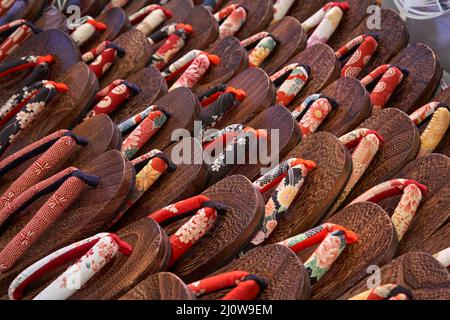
{"points": [[260, 281], [124, 247], [379, 137], [171, 167], [238, 93], [99, 26]]}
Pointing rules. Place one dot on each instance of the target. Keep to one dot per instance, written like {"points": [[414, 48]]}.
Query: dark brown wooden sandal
{"points": [[268, 273], [49, 42], [99, 133], [420, 273], [106, 182], [52, 18]]}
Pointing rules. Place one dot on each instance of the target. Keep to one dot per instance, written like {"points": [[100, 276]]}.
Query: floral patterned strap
{"points": [[253, 40], [312, 112], [443, 257], [281, 75], [385, 292], [225, 12], [262, 51], [332, 240], [17, 32], [289, 177], [198, 225], [246, 286], [5, 5], [178, 67], [363, 48], [143, 132], [292, 86], [174, 43], [233, 22], [365, 144], [412, 193], [211, 95], [150, 18], [102, 57], [24, 63], [66, 186], [85, 31], [280, 9], [140, 15], [57, 149], [112, 96], [136, 119], [157, 164], [22, 115], [436, 129], [92, 255], [325, 22], [196, 70], [222, 137], [391, 77]]}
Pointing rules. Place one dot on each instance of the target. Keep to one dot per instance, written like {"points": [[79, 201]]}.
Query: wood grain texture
{"points": [[303, 9], [376, 246], [204, 26], [137, 53], [151, 254], [231, 232], [286, 276], [416, 271], [51, 18], [187, 181], [160, 286], [354, 106], [100, 133], [277, 121], [92, 213], [179, 8], [92, 7], [444, 146], [152, 85], [260, 95], [233, 59], [392, 38], [322, 186], [54, 42], [401, 144], [352, 18], [324, 69], [434, 172], [183, 109], [291, 39], [259, 14], [117, 22], [437, 242], [65, 110], [425, 72]]}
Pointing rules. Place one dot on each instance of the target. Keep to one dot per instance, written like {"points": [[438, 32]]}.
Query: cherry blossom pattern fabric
{"points": [[149, 18], [21, 110], [332, 240], [134, 120], [230, 19], [261, 51], [324, 22], [52, 150], [390, 78], [437, 127], [412, 193], [85, 31], [195, 228], [385, 292], [39, 64], [17, 32], [5, 5], [195, 70], [364, 145], [175, 69], [296, 78], [157, 163], [112, 96], [92, 255], [443, 257], [102, 57], [280, 9], [312, 112], [173, 44], [360, 49], [219, 139], [143, 132], [245, 286], [288, 178], [69, 185]]}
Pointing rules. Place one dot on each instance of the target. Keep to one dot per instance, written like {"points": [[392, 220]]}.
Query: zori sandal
{"points": [[268, 273], [13, 35], [417, 275], [81, 203], [365, 49]]}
